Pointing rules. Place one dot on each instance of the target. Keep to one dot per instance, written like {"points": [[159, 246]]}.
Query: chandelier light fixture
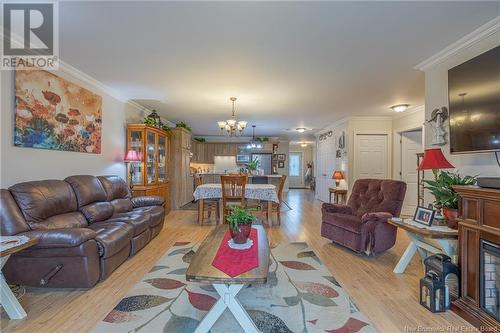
{"points": [[254, 144], [232, 127]]}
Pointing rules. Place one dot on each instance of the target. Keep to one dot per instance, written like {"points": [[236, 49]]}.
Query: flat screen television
{"points": [[474, 104]]}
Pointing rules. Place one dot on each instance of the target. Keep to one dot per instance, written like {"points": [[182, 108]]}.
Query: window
{"points": [[294, 165]]}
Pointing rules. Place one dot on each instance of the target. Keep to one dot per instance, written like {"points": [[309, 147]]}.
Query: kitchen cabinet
{"points": [[150, 175], [204, 152]]}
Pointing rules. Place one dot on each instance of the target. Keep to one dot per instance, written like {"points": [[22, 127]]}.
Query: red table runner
{"points": [[235, 262]]}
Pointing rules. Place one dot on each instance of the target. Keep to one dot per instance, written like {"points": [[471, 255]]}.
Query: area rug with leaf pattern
{"points": [[301, 295]]}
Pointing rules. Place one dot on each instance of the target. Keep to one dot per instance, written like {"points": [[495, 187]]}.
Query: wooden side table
{"points": [[7, 298], [434, 239], [339, 195]]}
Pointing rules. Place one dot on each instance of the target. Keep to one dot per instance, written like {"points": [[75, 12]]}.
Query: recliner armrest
{"points": [[57, 238], [376, 216], [145, 201], [336, 208]]}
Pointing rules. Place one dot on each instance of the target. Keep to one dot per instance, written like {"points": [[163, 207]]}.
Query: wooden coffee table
{"points": [[425, 240], [201, 270], [7, 298]]}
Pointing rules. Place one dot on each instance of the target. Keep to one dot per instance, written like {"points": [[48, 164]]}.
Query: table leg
{"points": [[227, 300], [7, 298], [449, 248], [269, 213], [405, 258], [200, 211]]}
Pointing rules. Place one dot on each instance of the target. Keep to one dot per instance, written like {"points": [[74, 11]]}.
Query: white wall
{"points": [[24, 164], [409, 120], [436, 96], [284, 148]]}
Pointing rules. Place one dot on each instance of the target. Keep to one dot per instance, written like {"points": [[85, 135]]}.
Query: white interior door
{"points": [[295, 169], [325, 163], [411, 144], [370, 156]]}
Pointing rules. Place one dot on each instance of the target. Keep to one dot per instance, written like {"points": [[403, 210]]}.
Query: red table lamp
{"points": [[132, 156], [434, 160], [338, 176]]}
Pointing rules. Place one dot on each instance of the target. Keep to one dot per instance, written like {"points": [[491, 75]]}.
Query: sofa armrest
{"points": [[376, 216], [145, 201], [335, 208], [57, 238]]}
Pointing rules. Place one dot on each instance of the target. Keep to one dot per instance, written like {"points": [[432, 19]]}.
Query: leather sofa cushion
{"points": [[146, 201], [88, 189], [55, 238], [140, 222], [11, 219], [112, 237], [115, 187], [121, 205], [350, 223], [157, 214], [67, 220], [39, 200], [377, 195], [97, 211]]}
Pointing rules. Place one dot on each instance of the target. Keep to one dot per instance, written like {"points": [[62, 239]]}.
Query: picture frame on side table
{"points": [[424, 215]]}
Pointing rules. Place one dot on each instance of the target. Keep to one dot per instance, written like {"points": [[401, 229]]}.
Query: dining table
{"points": [[262, 192]]}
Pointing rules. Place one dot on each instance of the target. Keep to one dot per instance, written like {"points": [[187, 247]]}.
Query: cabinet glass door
{"points": [[150, 157], [136, 141], [162, 159]]}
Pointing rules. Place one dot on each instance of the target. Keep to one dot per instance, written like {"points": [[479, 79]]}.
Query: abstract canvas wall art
{"points": [[53, 113]]}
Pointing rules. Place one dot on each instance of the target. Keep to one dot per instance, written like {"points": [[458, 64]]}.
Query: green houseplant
{"points": [[240, 223], [445, 196], [253, 165], [183, 125]]}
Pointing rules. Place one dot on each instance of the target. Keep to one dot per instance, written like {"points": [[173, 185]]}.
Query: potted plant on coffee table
{"points": [[240, 223], [445, 195]]}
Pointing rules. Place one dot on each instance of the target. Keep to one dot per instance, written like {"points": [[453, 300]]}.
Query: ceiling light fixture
{"points": [[303, 144], [400, 107], [232, 127], [300, 129], [254, 144]]}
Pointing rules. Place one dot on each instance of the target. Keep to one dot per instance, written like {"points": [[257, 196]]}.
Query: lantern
{"points": [[447, 271], [433, 292]]}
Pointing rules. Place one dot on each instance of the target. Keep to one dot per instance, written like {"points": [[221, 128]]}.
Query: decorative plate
{"points": [[244, 246]]}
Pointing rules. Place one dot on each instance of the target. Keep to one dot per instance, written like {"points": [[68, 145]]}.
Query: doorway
{"points": [[296, 170], [411, 144]]}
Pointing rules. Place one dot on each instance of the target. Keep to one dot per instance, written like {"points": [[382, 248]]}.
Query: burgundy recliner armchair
{"points": [[361, 225]]}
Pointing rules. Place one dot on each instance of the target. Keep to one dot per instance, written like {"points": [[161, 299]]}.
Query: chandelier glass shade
{"points": [[254, 144], [232, 127]]}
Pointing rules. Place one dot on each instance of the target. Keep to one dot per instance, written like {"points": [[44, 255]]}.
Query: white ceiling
{"points": [[291, 64]]}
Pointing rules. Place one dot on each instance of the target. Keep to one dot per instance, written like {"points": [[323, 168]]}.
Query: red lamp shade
{"points": [[434, 159], [338, 176], [132, 156]]}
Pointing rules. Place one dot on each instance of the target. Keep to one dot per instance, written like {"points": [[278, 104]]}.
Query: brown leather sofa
{"points": [[361, 225], [86, 227]]}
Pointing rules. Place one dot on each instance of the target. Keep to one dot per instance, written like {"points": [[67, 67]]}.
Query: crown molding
{"points": [[467, 41]]}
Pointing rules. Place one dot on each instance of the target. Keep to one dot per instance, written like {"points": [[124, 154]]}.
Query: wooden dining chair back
{"points": [[233, 191], [277, 206], [206, 204], [197, 180]]}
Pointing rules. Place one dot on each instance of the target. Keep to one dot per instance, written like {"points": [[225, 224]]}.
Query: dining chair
{"points": [[206, 204], [276, 207], [233, 192]]}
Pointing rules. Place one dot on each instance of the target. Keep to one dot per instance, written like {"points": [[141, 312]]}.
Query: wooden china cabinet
{"points": [[150, 176]]}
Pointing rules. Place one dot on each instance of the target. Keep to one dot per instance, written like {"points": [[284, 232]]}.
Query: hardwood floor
{"points": [[389, 300]]}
